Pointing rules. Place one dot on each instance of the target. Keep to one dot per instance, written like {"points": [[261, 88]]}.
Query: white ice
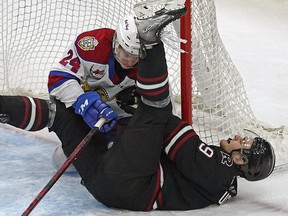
{"points": [[255, 33]]}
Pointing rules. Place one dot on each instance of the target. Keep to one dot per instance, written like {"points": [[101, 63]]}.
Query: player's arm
{"points": [[65, 85], [65, 78], [128, 99]]}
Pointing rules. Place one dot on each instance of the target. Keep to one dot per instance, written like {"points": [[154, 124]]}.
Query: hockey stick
{"points": [[65, 165]]}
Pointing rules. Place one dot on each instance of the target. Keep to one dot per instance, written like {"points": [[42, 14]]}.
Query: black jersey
{"points": [[195, 174], [157, 162]]}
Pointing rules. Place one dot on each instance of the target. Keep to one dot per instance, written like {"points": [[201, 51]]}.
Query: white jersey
{"points": [[90, 65]]}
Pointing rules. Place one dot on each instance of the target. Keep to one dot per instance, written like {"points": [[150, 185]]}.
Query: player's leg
{"points": [[27, 113], [34, 114], [180, 138], [129, 174], [31, 114], [141, 141], [71, 129], [59, 157]]}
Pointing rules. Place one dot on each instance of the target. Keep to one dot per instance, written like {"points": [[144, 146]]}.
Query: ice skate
{"points": [[150, 27]]}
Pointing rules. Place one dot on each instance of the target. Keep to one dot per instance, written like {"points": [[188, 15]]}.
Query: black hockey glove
{"points": [[127, 99]]}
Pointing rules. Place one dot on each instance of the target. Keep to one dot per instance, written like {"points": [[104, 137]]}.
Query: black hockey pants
{"points": [[127, 175]]}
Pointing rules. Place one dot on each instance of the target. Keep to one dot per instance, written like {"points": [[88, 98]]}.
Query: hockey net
{"points": [[36, 33]]}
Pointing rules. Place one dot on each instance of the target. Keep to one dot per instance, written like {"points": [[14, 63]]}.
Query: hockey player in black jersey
{"points": [[157, 161]]}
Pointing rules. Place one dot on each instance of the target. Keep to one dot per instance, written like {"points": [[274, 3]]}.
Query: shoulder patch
{"points": [[88, 43]]}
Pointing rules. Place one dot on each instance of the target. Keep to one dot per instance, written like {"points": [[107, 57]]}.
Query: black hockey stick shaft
{"points": [[65, 165]]}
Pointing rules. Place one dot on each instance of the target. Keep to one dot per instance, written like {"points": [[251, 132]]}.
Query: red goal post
{"points": [[186, 65]]}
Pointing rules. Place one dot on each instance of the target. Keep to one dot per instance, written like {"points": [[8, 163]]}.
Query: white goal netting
{"points": [[36, 33]]}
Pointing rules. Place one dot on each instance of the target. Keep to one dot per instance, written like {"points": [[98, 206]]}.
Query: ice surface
{"points": [[255, 33], [25, 168]]}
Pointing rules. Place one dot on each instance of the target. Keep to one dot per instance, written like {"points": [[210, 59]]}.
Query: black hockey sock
{"points": [[27, 113], [152, 77]]}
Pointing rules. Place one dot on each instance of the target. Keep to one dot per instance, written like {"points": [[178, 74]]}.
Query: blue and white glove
{"points": [[91, 107]]}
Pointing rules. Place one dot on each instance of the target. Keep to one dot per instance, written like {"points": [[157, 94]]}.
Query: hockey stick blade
{"points": [[65, 165]]}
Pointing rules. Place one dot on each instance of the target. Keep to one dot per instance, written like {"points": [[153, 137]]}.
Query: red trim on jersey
{"points": [[178, 145], [26, 112], [153, 93], [152, 79], [156, 190], [172, 134], [160, 199], [54, 79], [39, 114]]}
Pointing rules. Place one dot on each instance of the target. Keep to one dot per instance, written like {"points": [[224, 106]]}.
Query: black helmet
{"points": [[261, 160]]}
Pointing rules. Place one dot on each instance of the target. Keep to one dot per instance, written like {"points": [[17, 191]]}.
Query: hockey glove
{"points": [[127, 99], [91, 107]]}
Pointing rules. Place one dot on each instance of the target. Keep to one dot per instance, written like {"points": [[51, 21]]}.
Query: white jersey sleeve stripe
{"points": [[33, 114], [153, 86], [176, 137]]}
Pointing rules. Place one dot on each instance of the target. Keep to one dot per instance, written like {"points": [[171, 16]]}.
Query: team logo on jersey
{"points": [[88, 43], [226, 159], [96, 72]]}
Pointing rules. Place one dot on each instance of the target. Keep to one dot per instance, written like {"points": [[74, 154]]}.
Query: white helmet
{"points": [[127, 35]]}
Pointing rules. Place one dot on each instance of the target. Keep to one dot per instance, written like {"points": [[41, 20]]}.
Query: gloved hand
{"points": [[91, 107], [127, 99]]}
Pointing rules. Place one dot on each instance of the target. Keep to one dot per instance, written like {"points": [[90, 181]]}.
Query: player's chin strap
{"points": [[240, 151]]}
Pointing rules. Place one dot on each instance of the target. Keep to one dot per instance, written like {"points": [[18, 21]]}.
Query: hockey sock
{"points": [[152, 77], [27, 113]]}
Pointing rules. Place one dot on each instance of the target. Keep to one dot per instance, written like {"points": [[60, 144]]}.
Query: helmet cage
{"points": [[256, 149], [260, 160], [246, 153]]}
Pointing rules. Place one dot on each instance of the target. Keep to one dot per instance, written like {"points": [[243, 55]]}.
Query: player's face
{"points": [[236, 146], [237, 142], [126, 59]]}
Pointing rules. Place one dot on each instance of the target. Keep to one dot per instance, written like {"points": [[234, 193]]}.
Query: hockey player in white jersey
{"points": [[97, 66]]}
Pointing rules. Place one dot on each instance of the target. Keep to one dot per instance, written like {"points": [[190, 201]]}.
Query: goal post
{"points": [[186, 65], [204, 80]]}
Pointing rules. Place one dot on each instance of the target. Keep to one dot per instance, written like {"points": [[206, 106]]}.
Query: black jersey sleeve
{"points": [[214, 171]]}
